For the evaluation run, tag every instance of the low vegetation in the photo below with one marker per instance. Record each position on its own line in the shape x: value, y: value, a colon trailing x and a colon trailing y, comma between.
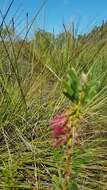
x: 40, y: 79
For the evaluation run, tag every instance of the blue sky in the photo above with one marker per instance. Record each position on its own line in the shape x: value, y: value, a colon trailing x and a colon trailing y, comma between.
x: 84, y: 13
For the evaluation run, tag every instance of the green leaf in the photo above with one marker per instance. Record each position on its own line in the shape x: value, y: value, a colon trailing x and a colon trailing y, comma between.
x: 68, y: 91
x: 73, y: 78
x: 72, y: 86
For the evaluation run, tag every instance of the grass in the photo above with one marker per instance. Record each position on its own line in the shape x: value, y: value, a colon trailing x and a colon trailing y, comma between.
x: 31, y: 76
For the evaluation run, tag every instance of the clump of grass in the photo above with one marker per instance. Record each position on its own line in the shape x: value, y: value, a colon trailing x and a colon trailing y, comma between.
x: 31, y: 80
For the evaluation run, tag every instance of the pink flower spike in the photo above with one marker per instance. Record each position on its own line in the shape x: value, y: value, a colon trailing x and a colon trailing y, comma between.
x: 59, y: 121
x: 57, y: 131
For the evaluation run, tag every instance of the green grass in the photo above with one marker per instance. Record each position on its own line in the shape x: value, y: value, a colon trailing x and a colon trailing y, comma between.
x: 31, y: 94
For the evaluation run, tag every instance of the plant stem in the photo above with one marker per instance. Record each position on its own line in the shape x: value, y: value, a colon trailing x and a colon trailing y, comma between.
x: 68, y: 167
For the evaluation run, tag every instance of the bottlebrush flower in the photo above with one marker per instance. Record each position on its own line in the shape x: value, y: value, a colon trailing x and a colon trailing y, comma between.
x: 59, y: 128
